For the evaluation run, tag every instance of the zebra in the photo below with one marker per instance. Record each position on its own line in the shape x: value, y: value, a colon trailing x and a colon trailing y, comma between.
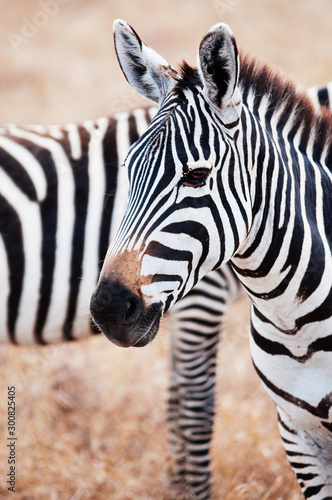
x: 235, y: 167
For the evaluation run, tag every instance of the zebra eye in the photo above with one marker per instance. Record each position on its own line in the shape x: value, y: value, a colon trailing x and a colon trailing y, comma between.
x: 196, y: 177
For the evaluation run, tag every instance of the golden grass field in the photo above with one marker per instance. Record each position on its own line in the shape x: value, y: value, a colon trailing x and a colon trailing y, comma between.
x: 91, y: 419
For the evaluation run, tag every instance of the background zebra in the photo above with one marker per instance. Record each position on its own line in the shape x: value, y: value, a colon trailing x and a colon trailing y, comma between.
x: 238, y: 147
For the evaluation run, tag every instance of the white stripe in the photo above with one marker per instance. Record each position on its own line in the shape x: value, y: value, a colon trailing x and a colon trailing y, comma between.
x: 74, y: 140
x: 152, y: 112
x: 313, y: 96
x: 40, y: 129
x: 329, y: 91
x: 55, y: 131
x: 121, y: 195
x: 141, y: 122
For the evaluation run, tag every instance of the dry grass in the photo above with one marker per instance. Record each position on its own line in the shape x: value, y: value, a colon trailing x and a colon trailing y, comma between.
x: 91, y: 417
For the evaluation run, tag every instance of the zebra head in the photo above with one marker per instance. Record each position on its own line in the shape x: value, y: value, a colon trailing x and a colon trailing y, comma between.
x: 188, y: 207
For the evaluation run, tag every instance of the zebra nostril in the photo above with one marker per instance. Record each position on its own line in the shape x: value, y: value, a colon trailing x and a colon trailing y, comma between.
x: 134, y: 308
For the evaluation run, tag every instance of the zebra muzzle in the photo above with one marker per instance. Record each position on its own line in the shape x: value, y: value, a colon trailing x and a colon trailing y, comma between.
x: 122, y: 316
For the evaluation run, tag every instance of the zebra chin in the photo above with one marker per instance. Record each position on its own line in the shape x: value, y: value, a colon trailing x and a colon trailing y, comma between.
x: 122, y: 316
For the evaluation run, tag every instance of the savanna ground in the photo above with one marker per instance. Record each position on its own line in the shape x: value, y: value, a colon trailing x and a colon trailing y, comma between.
x: 91, y: 417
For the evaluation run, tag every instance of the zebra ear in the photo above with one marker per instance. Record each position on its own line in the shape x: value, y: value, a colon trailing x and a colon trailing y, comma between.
x: 219, y: 66
x: 145, y: 70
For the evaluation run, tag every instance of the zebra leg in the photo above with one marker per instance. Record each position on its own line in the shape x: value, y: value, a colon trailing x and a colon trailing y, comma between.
x: 199, y: 318
x: 309, y: 451
x: 191, y: 411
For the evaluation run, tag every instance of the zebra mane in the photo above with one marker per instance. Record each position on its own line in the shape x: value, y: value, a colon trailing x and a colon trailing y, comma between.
x: 261, y: 80
x: 264, y: 80
x: 189, y: 78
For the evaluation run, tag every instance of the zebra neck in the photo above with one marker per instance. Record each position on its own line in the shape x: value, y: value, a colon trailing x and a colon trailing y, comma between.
x: 285, y: 261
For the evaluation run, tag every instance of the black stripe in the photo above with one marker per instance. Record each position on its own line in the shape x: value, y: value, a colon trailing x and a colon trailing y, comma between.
x: 48, y: 210
x: 202, y: 293
x: 306, y: 477
x: 327, y: 425
x: 17, y: 173
x: 81, y: 180
x: 298, y: 454
x: 206, y: 309
x: 312, y: 490
x: 202, y: 322
x: 160, y: 251
x: 297, y: 465
x: 208, y: 278
x: 133, y: 132
x: 11, y: 232
x: 323, y: 97
x: 286, y: 441
x: 288, y: 429
x: 110, y: 156
x: 271, y: 347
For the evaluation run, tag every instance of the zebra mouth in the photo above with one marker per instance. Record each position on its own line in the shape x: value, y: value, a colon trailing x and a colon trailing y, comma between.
x: 151, y: 332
